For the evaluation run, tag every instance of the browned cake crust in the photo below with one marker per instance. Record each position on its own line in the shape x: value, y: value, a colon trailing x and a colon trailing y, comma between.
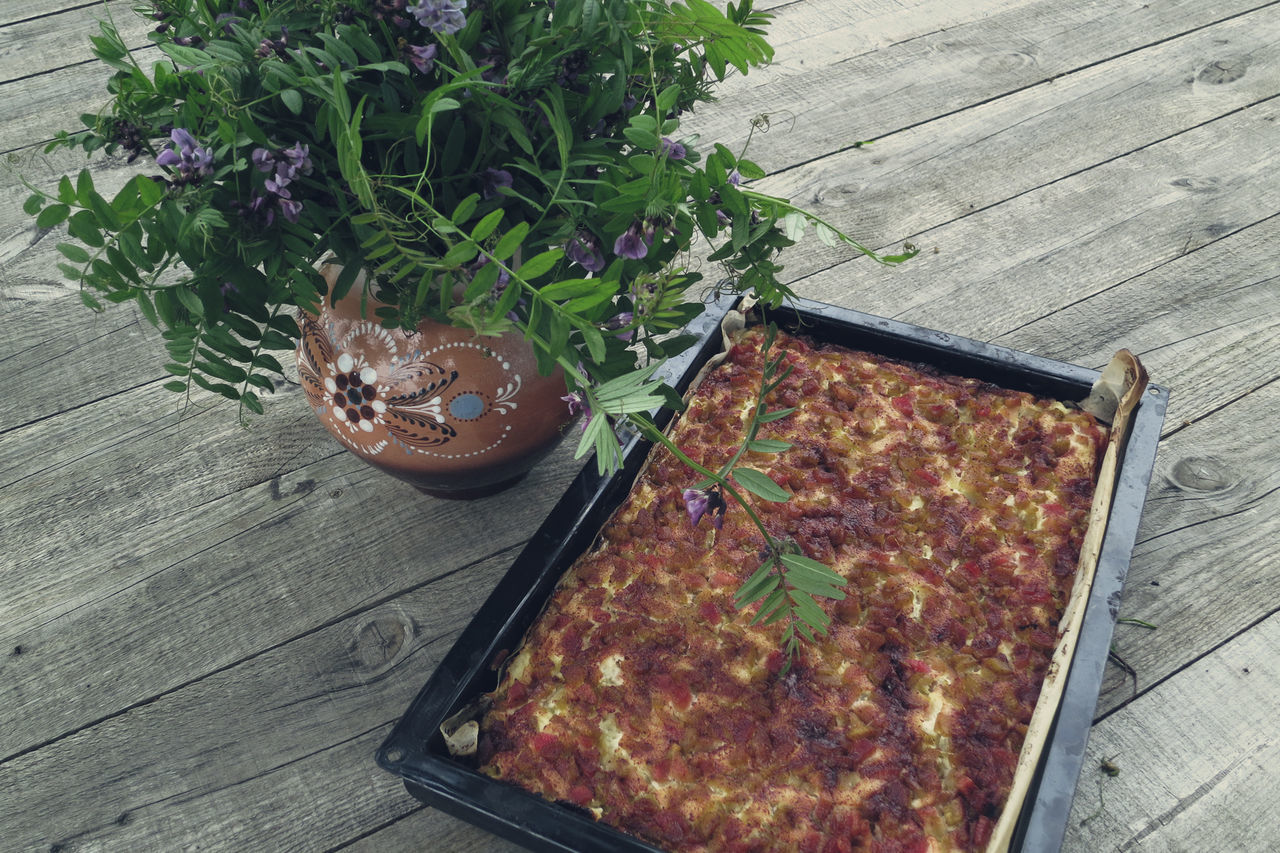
x: 955, y: 510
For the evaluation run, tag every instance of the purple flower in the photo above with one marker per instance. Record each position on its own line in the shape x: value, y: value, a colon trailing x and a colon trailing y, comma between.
x: 277, y: 46
x: 284, y: 165
x: 276, y: 186
x: 291, y: 209
x: 190, y: 159
x: 634, y: 242
x: 735, y: 177
x: 287, y: 163
x: 261, y: 206
x: 698, y: 502
x: 621, y: 321
x: 298, y: 159
x: 578, y: 405
x: 263, y: 159
x: 440, y: 16
x: 391, y: 11
x: 494, y: 179
x: 499, y: 285
x: 584, y: 249
x: 673, y: 150
x: 421, y: 57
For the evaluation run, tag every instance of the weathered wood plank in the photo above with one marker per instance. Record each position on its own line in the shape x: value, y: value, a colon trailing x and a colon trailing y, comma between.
x: 194, y: 536
x: 1198, y: 758
x: 92, y: 356
x: 1207, y: 323
x: 995, y: 49
x: 51, y: 102
x: 46, y: 42
x: 963, y: 163
x: 1075, y: 237
x: 1206, y: 551
x: 942, y: 175
x: 294, y: 724
x: 255, y: 730
x: 415, y: 828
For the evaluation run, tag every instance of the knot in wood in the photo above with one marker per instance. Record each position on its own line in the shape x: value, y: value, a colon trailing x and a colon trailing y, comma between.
x: 1201, y: 474
x: 1197, y: 184
x: 1009, y: 62
x: 379, y: 642
x: 1222, y: 71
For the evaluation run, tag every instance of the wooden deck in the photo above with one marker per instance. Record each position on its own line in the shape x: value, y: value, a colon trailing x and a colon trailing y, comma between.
x: 205, y: 631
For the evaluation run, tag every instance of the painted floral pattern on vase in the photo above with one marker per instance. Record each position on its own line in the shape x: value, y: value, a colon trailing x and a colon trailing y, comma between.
x: 441, y: 408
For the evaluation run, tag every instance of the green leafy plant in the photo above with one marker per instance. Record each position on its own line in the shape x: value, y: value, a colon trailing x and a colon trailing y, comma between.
x: 786, y: 581
x: 494, y: 164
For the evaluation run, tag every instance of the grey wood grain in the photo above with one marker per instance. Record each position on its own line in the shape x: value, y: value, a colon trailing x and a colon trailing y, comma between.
x: 205, y: 631
x: 928, y: 71
x: 277, y: 726
x: 1197, y: 759
x: 1205, y: 323
x: 1206, y: 562
x: 218, y: 561
x: 1071, y: 238
x: 961, y: 164
x: 43, y: 41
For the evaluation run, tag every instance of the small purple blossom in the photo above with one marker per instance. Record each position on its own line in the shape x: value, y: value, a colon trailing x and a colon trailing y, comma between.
x: 735, y: 177
x: 421, y: 57
x: 276, y: 186
x: 578, y: 405
x: 190, y: 159
x: 698, y: 502
x: 584, y: 249
x: 494, y: 179
x: 263, y: 159
x: 504, y: 278
x: 298, y: 159
x: 291, y: 209
x: 620, y: 322
x: 277, y: 46
x: 634, y: 242
x: 499, y: 285
x: 440, y: 16
x: 260, y: 206
x: 227, y: 290
x: 284, y: 166
x: 391, y: 11
x: 673, y: 150
x: 645, y: 293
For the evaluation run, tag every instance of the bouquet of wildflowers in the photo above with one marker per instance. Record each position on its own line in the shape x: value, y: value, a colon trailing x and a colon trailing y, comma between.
x: 496, y: 164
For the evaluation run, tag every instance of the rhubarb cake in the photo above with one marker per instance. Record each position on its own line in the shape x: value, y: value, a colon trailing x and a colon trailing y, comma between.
x: 954, y: 509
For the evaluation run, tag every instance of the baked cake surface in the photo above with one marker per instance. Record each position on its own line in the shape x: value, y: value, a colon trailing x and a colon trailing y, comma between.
x: 955, y: 511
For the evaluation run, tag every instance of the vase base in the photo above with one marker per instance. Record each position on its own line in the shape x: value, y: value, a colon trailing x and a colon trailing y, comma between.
x: 469, y: 494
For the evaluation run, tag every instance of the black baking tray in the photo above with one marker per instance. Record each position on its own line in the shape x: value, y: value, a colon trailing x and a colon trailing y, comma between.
x: 415, y: 749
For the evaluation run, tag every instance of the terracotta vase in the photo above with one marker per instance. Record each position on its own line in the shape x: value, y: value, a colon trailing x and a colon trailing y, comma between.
x: 458, y: 416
